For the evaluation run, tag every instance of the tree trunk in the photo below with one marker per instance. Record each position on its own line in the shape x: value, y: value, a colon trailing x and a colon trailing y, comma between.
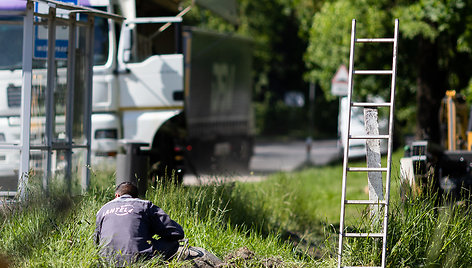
x: 431, y: 87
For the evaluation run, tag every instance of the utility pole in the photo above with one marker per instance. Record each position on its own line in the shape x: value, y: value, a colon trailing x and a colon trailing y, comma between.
x: 311, y: 124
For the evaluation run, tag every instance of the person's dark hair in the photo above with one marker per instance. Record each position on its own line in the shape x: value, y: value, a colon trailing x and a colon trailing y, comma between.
x: 127, y: 188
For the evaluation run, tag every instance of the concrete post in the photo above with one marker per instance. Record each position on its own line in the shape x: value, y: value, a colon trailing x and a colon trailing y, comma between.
x: 373, y: 157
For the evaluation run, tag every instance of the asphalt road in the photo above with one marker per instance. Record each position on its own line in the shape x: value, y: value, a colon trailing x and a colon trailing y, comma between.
x: 270, y: 157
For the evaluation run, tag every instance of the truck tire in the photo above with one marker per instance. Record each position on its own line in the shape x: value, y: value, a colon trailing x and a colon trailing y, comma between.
x: 167, y: 159
x: 166, y: 172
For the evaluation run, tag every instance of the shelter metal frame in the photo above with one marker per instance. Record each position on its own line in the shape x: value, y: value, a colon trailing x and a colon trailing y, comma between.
x: 50, y: 143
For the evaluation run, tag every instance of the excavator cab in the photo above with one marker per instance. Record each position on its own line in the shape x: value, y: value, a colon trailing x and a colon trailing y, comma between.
x: 455, y: 122
x: 446, y: 167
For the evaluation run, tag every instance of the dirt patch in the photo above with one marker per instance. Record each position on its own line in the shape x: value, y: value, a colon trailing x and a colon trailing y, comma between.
x: 220, y: 179
x: 4, y: 261
x: 241, y: 254
x: 242, y: 257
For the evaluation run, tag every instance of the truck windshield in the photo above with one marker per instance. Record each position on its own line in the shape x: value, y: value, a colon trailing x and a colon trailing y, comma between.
x: 101, y: 42
x: 11, y: 42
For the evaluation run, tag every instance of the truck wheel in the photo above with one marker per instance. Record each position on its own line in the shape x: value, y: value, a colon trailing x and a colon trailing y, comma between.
x: 165, y: 173
x: 168, y: 152
x: 243, y: 156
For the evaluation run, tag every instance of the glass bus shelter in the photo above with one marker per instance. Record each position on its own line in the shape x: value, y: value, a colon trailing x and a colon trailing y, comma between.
x: 45, y: 94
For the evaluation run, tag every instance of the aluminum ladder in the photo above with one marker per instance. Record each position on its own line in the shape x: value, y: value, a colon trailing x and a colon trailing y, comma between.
x: 347, y: 137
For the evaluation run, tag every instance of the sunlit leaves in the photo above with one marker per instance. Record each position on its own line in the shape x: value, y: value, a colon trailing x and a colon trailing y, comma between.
x: 331, y: 32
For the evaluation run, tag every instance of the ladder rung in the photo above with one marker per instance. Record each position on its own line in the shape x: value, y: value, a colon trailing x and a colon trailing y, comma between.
x: 367, y: 169
x: 8, y: 193
x: 365, y: 202
x: 375, y: 40
x: 368, y: 137
x: 375, y: 235
x: 373, y: 71
x: 371, y: 104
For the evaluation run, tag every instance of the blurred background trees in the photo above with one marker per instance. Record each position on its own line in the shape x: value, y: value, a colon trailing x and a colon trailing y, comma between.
x: 297, y: 42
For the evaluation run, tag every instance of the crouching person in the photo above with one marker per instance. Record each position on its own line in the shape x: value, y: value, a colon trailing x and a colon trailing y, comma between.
x: 126, y: 225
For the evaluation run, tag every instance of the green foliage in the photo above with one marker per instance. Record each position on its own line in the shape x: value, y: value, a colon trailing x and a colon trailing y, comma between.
x: 330, y: 37
x: 434, y: 50
x: 445, y: 23
x: 429, y: 18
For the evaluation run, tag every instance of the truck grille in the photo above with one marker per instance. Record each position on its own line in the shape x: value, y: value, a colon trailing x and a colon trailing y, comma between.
x: 14, y: 96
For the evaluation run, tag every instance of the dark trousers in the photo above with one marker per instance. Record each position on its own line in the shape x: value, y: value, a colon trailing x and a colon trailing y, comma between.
x: 163, y: 248
x: 166, y: 248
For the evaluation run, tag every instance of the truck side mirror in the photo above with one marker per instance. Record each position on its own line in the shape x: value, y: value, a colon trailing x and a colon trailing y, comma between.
x: 125, y: 45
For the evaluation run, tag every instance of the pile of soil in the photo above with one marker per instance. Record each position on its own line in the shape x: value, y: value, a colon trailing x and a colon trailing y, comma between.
x: 201, y: 258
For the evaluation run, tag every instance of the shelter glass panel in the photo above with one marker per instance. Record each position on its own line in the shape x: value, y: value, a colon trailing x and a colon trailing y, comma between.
x: 38, y: 102
x: 37, y: 163
x: 79, y: 163
x: 78, y: 131
x: 9, y: 166
x: 11, y: 41
x: 60, y: 90
x: 60, y: 101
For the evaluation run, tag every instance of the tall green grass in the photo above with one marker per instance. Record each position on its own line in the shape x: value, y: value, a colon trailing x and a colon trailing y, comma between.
x: 56, y: 230
x: 290, y: 217
x: 427, y: 230
x: 420, y: 234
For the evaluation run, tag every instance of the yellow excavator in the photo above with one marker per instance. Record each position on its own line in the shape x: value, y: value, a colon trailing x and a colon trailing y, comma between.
x: 447, y: 167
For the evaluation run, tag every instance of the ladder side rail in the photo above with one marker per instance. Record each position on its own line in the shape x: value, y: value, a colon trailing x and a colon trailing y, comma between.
x: 390, y: 142
x: 346, y: 141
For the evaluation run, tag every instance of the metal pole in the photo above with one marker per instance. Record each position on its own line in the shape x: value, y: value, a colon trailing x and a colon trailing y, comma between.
x: 88, y: 101
x: 71, y: 58
x: 26, y: 100
x: 312, y: 96
x: 51, y: 85
x: 311, y: 124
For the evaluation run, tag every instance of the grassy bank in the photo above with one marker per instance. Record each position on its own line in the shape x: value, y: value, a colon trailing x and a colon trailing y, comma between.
x: 289, y: 219
x: 57, y: 230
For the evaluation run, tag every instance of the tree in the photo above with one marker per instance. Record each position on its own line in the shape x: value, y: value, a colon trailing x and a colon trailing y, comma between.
x: 330, y: 37
x: 434, y: 51
x: 441, y: 48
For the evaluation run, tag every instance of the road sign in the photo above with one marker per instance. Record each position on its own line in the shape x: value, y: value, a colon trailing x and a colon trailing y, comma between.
x: 339, y: 85
x: 41, y: 34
